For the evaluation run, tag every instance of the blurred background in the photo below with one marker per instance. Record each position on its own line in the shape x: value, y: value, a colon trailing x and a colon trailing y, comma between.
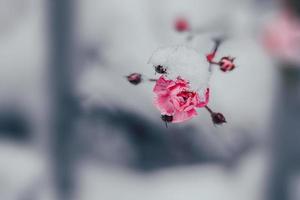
x: 72, y: 127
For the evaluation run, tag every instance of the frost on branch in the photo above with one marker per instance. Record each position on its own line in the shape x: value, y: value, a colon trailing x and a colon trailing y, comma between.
x: 182, y: 61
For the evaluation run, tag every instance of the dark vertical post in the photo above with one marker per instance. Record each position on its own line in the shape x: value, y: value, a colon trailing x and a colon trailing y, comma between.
x: 286, y: 134
x: 61, y: 42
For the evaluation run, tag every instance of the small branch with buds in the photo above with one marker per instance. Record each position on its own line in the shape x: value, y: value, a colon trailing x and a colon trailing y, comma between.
x: 217, y: 118
x: 210, y: 57
x: 226, y: 63
x: 175, y: 98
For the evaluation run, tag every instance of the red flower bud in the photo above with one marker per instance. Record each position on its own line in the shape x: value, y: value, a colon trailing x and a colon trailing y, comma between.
x: 134, y: 78
x: 210, y: 57
x: 226, y: 64
x: 181, y: 25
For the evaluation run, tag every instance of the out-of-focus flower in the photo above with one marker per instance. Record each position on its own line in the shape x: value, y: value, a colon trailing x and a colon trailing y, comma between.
x: 175, y: 98
x: 282, y: 37
x: 181, y: 25
x: 134, y: 78
x: 226, y: 64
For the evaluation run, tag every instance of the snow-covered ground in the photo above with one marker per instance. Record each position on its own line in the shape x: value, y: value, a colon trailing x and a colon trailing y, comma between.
x: 246, y: 181
x: 23, y: 174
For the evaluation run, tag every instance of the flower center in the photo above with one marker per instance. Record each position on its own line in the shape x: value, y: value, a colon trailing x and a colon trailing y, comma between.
x: 185, y: 95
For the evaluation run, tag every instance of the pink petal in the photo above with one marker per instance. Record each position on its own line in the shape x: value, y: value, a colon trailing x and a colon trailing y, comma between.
x: 205, y: 102
x: 164, y: 105
x: 175, y: 101
x: 161, y: 85
x: 183, y: 116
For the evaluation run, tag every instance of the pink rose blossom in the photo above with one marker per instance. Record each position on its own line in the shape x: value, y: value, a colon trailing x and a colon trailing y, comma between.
x: 174, y: 98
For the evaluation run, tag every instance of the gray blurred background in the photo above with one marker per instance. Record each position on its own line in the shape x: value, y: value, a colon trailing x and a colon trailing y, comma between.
x: 72, y: 127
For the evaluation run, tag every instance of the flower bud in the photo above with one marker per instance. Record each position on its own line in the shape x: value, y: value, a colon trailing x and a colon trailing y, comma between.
x: 134, y: 78
x: 226, y: 64
x: 181, y: 25
x: 218, y: 118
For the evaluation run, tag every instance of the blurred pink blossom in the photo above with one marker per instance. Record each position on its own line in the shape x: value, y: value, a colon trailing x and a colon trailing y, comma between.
x: 282, y: 37
x: 181, y: 25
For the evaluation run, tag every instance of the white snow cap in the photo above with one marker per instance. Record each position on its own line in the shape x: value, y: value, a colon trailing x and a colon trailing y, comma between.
x: 183, y: 61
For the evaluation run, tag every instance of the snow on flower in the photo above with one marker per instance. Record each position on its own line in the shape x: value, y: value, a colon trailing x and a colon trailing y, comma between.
x: 183, y: 61
x: 175, y: 99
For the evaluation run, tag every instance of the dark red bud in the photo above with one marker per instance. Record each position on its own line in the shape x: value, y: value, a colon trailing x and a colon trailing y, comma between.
x: 218, y: 118
x: 134, y: 78
x: 227, y: 64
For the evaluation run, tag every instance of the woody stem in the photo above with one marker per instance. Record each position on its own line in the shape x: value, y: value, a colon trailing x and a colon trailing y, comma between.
x: 217, y: 45
x: 213, y: 63
x: 152, y: 79
x: 209, y: 110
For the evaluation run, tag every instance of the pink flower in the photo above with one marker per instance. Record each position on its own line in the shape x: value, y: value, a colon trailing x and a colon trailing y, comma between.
x: 281, y: 37
x: 174, y: 98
